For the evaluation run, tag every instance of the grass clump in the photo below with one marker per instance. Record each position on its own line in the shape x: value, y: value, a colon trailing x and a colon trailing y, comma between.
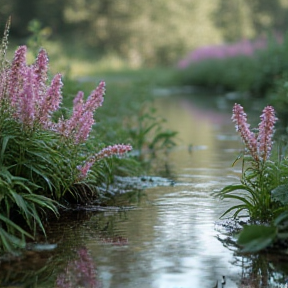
x: 245, y: 66
x: 46, y: 157
x: 262, y: 191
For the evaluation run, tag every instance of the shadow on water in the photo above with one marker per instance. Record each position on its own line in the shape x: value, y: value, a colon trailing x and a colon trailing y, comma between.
x: 168, y: 239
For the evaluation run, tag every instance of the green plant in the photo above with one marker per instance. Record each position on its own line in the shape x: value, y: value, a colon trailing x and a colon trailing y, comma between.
x: 254, y: 238
x: 38, y: 35
x: 257, y: 73
x: 263, y: 188
x: 149, y: 135
x: 259, y: 175
x: 42, y: 161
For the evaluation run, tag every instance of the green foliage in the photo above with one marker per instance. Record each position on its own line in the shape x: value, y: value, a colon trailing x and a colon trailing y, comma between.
x: 39, y: 156
x: 278, y: 97
x: 38, y: 35
x: 257, y: 75
x: 40, y: 168
x: 263, y: 189
x: 29, y: 180
x: 263, y: 194
x: 19, y: 198
x: 141, y: 31
x: 254, y: 237
x: 229, y: 74
x: 150, y: 134
x: 280, y: 194
x: 232, y: 16
x: 254, y: 192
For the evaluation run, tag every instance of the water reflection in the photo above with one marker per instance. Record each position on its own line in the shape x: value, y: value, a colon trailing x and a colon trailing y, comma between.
x: 79, y: 272
x: 169, y: 240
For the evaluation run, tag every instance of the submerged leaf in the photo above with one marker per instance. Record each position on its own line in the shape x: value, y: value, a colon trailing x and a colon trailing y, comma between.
x: 255, y: 238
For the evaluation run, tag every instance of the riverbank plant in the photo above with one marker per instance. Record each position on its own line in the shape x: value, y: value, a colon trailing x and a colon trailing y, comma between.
x: 43, y: 158
x: 262, y: 191
x: 259, y: 174
x: 246, y: 66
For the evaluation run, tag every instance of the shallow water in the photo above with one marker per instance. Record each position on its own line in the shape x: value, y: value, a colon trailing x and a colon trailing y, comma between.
x: 168, y: 240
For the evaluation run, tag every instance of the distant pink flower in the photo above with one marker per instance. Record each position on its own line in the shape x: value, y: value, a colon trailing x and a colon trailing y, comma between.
x: 266, y: 130
x: 248, y: 137
x: 244, y: 47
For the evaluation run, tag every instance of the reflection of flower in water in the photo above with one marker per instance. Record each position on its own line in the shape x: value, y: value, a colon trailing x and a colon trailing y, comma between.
x: 79, y: 272
x: 118, y: 241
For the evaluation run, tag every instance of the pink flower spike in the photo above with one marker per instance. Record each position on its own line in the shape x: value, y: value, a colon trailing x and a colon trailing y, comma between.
x: 41, y: 66
x: 266, y: 131
x: 78, y: 100
x: 96, y: 97
x: 16, y: 74
x: 84, y: 127
x: 85, y: 168
x: 26, y: 101
x: 248, y: 137
x: 117, y: 149
x: 51, y: 100
x: 41, y: 69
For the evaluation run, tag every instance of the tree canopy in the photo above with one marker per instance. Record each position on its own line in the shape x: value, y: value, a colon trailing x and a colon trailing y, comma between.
x: 148, y: 32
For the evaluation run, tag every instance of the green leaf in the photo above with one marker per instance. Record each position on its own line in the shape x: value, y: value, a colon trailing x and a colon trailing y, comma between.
x: 4, y: 145
x: 15, y: 226
x: 283, y: 236
x: 256, y: 237
x: 238, y: 209
x: 281, y: 217
x: 280, y: 194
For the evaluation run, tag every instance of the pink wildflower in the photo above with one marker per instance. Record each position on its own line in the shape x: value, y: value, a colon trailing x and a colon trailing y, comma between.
x: 80, y: 124
x: 3, y: 84
x: 41, y: 69
x: 117, y: 149
x: 80, y: 272
x: 78, y: 111
x: 85, y: 168
x: 95, y: 99
x: 26, y: 101
x: 248, y: 137
x: 50, y: 102
x: 266, y: 130
x: 15, y: 76
x: 84, y: 127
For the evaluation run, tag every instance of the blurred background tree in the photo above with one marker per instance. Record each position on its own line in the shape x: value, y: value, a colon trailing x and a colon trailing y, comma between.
x: 238, y: 19
x: 146, y: 32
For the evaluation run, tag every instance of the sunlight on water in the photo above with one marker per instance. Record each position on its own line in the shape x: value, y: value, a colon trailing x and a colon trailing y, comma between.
x: 172, y: 241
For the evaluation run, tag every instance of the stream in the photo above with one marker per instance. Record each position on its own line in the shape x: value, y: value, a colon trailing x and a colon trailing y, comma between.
x: 171, y: 236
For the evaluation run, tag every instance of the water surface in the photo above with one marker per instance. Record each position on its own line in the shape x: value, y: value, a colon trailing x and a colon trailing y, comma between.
x: 168, y: 239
